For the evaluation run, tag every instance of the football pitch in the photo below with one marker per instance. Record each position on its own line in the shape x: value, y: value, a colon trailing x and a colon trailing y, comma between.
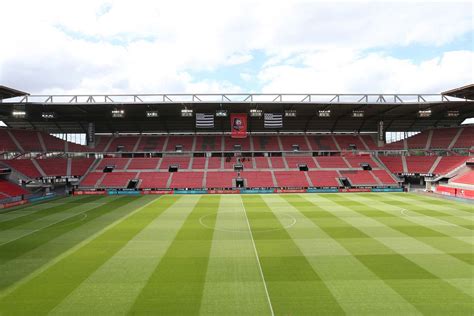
x: 293, y: 254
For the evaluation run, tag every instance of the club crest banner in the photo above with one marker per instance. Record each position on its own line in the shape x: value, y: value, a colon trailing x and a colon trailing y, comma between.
x: 238, y: 125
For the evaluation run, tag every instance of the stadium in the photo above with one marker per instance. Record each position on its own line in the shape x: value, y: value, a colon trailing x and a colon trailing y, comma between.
x: 249, y: 204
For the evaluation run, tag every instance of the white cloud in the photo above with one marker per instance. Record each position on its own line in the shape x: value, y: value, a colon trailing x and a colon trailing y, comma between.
x: 121, y: 46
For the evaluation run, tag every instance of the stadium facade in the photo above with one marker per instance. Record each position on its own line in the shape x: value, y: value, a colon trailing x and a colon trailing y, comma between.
x: 234, y: 143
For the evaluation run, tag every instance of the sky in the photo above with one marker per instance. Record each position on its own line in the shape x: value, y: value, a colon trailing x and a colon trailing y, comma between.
x: 117, y: 46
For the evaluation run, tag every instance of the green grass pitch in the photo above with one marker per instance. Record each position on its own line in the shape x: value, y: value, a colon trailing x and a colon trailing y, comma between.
x: 307, y: 254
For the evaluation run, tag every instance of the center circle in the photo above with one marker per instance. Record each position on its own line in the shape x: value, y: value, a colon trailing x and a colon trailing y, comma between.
x: 236, y: 222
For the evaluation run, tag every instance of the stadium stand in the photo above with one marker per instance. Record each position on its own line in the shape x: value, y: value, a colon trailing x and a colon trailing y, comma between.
x: 294, y: 161
x: 447, y: 164
x: 208, y: 143
x: 258, y: 179
x: 222, y: 179
x: 334, y: 162
x: 288, y: 143
x: 9, y: 189
x: 358, y: 177
x: 291, y: 179
x: 79, y: 166
x: 349, y: 142
x: 324, y: 178
x: 231, y: 143
x: 53, y: 167
x: 117, y: 179
x: 191, y: 180
x: 151, y: 143
x: 153, y: 180
x: 183, y: 142
x: 91, y: 179
x: 324, y: 142
x: 143, y: 163
x: 393, y: 163
x: 420, y: 164
x: 265, y: 143
x: 117, y: 163
x: 466, y: 178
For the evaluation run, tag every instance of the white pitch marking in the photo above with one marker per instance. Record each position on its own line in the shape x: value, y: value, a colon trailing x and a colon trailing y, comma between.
x: 258, y: 259
x: 36, y: 230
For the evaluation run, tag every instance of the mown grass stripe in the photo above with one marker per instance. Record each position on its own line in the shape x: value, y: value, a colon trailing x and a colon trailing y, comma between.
x: 294, y: 287
x: 43, y: 213
x: 176, y: 286
x: 29, y: 242
x: 405, y: 226
x: 433, y: 295
x: 233, y: 284
x: 17, y: 212
x: 346, y: 277
x: 123, y: 276
x: 439, y: 201
x: 42, y: 293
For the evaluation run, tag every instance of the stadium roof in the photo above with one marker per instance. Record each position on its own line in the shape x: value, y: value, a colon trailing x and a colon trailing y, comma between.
x: 6, y: 92
x: 465, y: 92
x: 399, y: 112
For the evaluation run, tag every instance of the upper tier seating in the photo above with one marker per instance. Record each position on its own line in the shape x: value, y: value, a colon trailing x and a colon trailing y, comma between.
x: 28, y: 140
x: 447, y: 164
x: 6, y: 143
x: 185, y: 141
x: 265, y: 143
x: 466, y: 139
x: 79, y: 166
x: 291, y: 179
x: 102, y: 143
x: 418, y: 141
x: 191, y: 180
x: 393, y: 163
x: 345, y: 141
x: 123, y: 143
x: 324, y: 178
x: 208, y: 143
x: 420, y: 164
x: 230, y: 142
x: 53, y: 167
x: 287, y: 143
x: 369, y: 141
x: 322, y: 142
x: 9, y: 189
x: 153, y: 180
x: 143, y: 163
x: 331, y: 162
x: 151, y: 143
x: 443, y: 137
x: 258, y: 179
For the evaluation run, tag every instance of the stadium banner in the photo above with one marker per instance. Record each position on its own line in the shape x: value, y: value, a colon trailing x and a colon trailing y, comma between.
x: 145, y: 192
x: 273, y: 120
x: 327, y: 190
x: 223, y: 191
x: 290, y: 191
x: 387, y: 189
x: 238, y: 125
x: 190, y: 191
x: 465, y: 193
x: 256, y: 191
x: 12, y: 204
x: 355, y: 190
x: 204, y: 120
x: 89, y: 192
x: 42, y: 198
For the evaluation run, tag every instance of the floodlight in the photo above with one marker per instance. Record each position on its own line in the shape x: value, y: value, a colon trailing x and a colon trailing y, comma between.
x: 324, y: 113
x: 290, y: 113
x: 221, y: 113
x: 48, y: 115
x: 255, y: 112
x: 118, y: 113
x: 357, y: 113
x: 186, y: 112
x: 19, y: 113
x: 152, y: 114
x: 424, y: 113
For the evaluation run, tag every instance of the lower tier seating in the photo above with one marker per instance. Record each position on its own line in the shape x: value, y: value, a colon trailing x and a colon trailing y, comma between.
x: 465, y: 178
x: 258, y: 179
x: 291, y: 179
x: 9, y: 189
x: 192, y: 180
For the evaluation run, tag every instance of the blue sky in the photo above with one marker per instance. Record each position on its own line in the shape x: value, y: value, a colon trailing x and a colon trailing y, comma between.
x: 179, y: 46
